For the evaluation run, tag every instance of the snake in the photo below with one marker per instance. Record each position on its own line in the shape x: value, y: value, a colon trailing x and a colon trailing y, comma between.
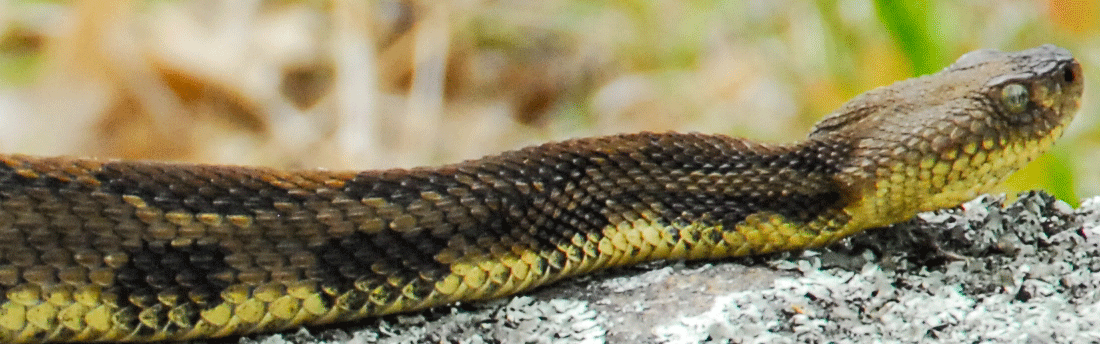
x: 136, y: 251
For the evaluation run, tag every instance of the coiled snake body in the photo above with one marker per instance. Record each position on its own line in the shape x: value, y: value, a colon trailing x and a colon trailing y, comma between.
x: 137, y: 251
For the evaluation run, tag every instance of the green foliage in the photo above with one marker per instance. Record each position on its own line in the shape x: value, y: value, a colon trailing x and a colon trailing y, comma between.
x: 19, y: 56
x: 1059, y: 178
x: 1052, y: 172
x: 18, y: 70
x: 914, y: 28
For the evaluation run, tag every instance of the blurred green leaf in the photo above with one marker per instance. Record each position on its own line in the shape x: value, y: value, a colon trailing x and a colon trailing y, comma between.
x: 1052, y: 172
x: 18, y: 70
x: 1059, y: 175
x: 19, y: 55
x: 913, y: 26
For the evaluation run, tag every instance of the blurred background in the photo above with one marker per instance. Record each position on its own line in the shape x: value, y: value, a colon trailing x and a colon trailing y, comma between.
x: 347, y: 84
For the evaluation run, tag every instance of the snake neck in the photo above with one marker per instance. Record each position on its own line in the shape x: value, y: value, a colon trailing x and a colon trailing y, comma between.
x: 663, y: 195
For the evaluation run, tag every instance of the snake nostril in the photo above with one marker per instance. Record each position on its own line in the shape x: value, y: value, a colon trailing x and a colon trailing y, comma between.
x: 1068, y: 74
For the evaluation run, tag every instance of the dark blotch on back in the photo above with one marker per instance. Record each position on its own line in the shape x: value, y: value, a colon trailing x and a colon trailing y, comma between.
x: 192, y: 188
x: 157, y: 270
x: 724, y: 156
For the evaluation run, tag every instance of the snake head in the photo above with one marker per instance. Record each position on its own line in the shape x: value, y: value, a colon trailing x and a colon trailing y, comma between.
x: 938, y: 140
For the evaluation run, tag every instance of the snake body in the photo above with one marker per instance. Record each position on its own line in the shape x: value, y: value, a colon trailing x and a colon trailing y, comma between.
x: 94, y: 250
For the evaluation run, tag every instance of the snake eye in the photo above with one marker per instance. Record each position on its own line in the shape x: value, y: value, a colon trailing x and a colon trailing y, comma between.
x: 1015, y: 98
